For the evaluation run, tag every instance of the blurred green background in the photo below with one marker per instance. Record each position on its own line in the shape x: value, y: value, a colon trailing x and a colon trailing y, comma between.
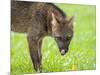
x: 82, y: 51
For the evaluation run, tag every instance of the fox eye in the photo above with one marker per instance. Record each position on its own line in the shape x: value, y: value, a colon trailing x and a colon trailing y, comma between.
x: 69, y: 37
x: 58, y: 38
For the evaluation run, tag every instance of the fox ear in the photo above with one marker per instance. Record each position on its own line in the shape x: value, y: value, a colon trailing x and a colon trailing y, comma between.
x: 70, y: 21
x: 54, y: 25
x: 54, y: 20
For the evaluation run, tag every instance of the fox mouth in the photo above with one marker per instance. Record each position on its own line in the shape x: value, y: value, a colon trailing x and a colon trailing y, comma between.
x: 62, y: 51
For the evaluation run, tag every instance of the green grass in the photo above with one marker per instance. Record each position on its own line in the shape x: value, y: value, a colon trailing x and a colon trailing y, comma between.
x: 82, y: 52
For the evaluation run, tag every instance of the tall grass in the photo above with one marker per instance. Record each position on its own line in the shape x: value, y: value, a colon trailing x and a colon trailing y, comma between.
x: 82, y: 52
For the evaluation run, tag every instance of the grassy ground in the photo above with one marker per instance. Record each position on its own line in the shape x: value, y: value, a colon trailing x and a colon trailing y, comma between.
x: 82, y: 52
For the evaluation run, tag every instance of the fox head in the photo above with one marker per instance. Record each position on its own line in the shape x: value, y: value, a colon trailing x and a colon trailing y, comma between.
x: 62, y: 31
